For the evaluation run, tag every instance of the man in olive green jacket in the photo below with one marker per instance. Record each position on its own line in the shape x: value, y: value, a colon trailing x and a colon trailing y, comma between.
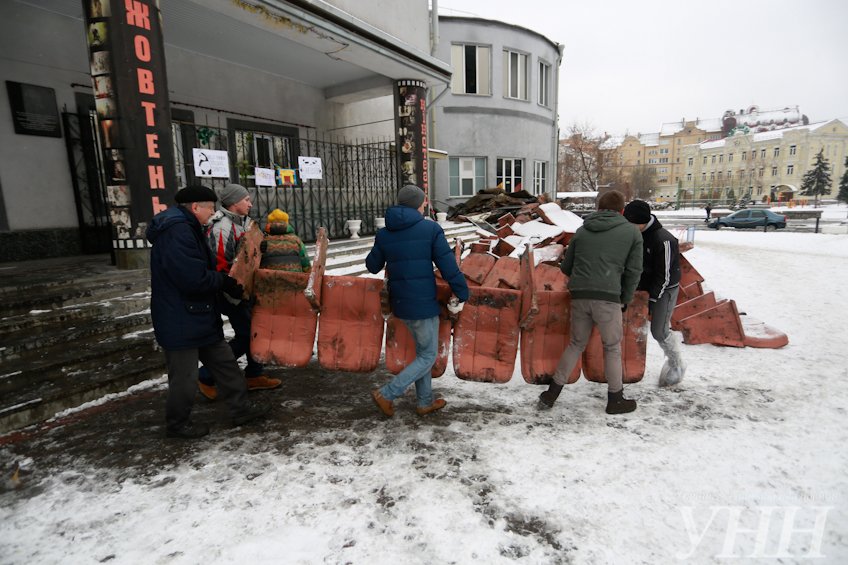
x: 603, y: 263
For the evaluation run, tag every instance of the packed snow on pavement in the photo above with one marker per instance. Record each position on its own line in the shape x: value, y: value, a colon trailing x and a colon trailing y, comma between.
x: 746, y: 458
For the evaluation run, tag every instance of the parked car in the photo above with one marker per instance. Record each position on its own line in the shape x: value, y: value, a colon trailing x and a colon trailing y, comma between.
x: 751, y: 219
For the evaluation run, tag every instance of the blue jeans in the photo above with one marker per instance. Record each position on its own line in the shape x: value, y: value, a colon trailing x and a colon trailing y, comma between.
x: 426, y: 336
x: 239, y: 315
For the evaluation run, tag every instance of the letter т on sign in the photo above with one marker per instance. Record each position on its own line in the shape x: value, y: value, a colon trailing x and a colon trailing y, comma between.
x: 127, y: 59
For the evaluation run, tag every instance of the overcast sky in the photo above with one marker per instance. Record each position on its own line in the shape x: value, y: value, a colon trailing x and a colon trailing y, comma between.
x: 631, y: 65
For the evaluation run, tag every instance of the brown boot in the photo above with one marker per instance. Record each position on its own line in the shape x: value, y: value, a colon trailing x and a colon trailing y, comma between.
x: 438, y: 404
x: 262, y: 383
x: 209, y: 391
x: 385, y: 406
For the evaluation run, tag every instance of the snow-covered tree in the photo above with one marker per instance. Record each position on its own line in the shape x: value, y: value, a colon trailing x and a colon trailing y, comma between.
x: 843, y: 185
x: 817, y: 180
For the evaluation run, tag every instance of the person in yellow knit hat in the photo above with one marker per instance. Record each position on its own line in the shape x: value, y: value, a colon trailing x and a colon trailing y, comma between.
x: 282, y: 249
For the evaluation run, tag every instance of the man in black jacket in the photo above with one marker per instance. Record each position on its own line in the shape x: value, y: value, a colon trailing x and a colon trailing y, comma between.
x: 186, y: 314
x: 661, y: 279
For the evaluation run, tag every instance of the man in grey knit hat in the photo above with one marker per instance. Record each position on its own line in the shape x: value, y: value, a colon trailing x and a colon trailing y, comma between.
x: 407, y: 248
x: 227, y: 227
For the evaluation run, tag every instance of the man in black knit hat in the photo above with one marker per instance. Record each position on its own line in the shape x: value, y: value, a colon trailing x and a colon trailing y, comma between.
x: 186, y: 313
x: 661, y: 279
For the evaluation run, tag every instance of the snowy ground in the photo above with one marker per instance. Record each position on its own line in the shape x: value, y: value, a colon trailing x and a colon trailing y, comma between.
x: 749, y: 449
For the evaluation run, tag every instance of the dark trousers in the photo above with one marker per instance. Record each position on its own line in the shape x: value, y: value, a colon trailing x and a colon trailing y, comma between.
x: 182, y: 380
x: 239, y: 315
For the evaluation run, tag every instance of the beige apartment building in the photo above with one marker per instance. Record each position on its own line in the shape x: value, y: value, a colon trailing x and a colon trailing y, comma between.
x: 765, y: 166
x: 662, y: 151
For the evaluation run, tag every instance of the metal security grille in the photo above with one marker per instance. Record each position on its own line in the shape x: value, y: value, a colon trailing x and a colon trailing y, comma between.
x: 85, y: 160
x: 359, y: 180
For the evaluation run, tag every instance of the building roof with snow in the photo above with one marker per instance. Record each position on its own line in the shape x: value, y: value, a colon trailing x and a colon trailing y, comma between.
x: 649, y: 139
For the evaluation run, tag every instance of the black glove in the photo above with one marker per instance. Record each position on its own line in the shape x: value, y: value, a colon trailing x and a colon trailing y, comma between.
x: 232, y: 287
x: 624, y: 307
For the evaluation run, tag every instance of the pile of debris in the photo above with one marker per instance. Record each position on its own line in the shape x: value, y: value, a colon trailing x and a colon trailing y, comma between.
x: 544, y: 227
x: 489, y: 205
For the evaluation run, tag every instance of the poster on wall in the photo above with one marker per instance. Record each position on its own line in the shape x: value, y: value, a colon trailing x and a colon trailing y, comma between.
x: 211, y: 163
x: 34, y: 109
x: 310, y: 167
x: 264, y: 177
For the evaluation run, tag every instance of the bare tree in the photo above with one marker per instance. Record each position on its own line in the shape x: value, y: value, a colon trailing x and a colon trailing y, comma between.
x: 642, y: 181
x: 586, y: 160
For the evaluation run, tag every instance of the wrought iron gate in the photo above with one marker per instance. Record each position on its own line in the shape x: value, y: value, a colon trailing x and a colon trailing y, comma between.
x: 85, y: 160
x: 359, y: 181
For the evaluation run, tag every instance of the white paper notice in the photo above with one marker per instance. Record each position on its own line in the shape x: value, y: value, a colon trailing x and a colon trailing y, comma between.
x: 310, y: 167
x: 264, y: 177
x: 211, y: 163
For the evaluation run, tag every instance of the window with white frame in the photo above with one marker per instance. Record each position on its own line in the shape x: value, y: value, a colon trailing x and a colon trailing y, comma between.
x: 471, y: 66
x: 544, y: 83
x: 515, y: 75
x: 777, y: 151
x: 774, y: 171
x: 688, y: 176
x: 540, y: 177
x: 791, y: 149
x: 790, y: 169
x: 690, y: 161
x: 509, y: 171
x: 467, y: 175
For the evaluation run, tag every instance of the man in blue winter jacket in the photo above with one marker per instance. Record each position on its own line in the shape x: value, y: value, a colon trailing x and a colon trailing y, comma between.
x: 407, y: 247
x: 186, y: 313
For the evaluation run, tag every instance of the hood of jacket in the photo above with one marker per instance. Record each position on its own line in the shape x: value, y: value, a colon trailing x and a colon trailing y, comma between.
x: 401, y: 217
x: 603, y: 220
x: 652, y: 226
x: 221, y: 213
x: 168, y: 219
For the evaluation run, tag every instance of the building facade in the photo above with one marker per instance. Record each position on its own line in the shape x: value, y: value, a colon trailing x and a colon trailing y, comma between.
x: 662, y: 152
x: 767, y: 166
x: 265, y: 82
x: 498, y: 120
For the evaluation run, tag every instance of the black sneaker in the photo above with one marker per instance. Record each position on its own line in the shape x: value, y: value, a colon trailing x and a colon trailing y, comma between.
x: 188, y: 431
x: 251, y: 413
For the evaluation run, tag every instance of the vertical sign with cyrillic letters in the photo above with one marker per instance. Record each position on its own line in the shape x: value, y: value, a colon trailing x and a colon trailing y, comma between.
x: 411, y: 133
x: 127, y: 57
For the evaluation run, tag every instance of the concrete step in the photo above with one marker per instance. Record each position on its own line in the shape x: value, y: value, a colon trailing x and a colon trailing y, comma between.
x: 347, y: 257
x: 36, y: 322
x: 41, y: 399
x: 56, y: 364
x: 26, y: 297
x: 27, y: 346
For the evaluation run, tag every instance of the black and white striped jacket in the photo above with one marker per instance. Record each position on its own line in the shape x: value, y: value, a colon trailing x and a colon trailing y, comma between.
x: 661, y: 260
